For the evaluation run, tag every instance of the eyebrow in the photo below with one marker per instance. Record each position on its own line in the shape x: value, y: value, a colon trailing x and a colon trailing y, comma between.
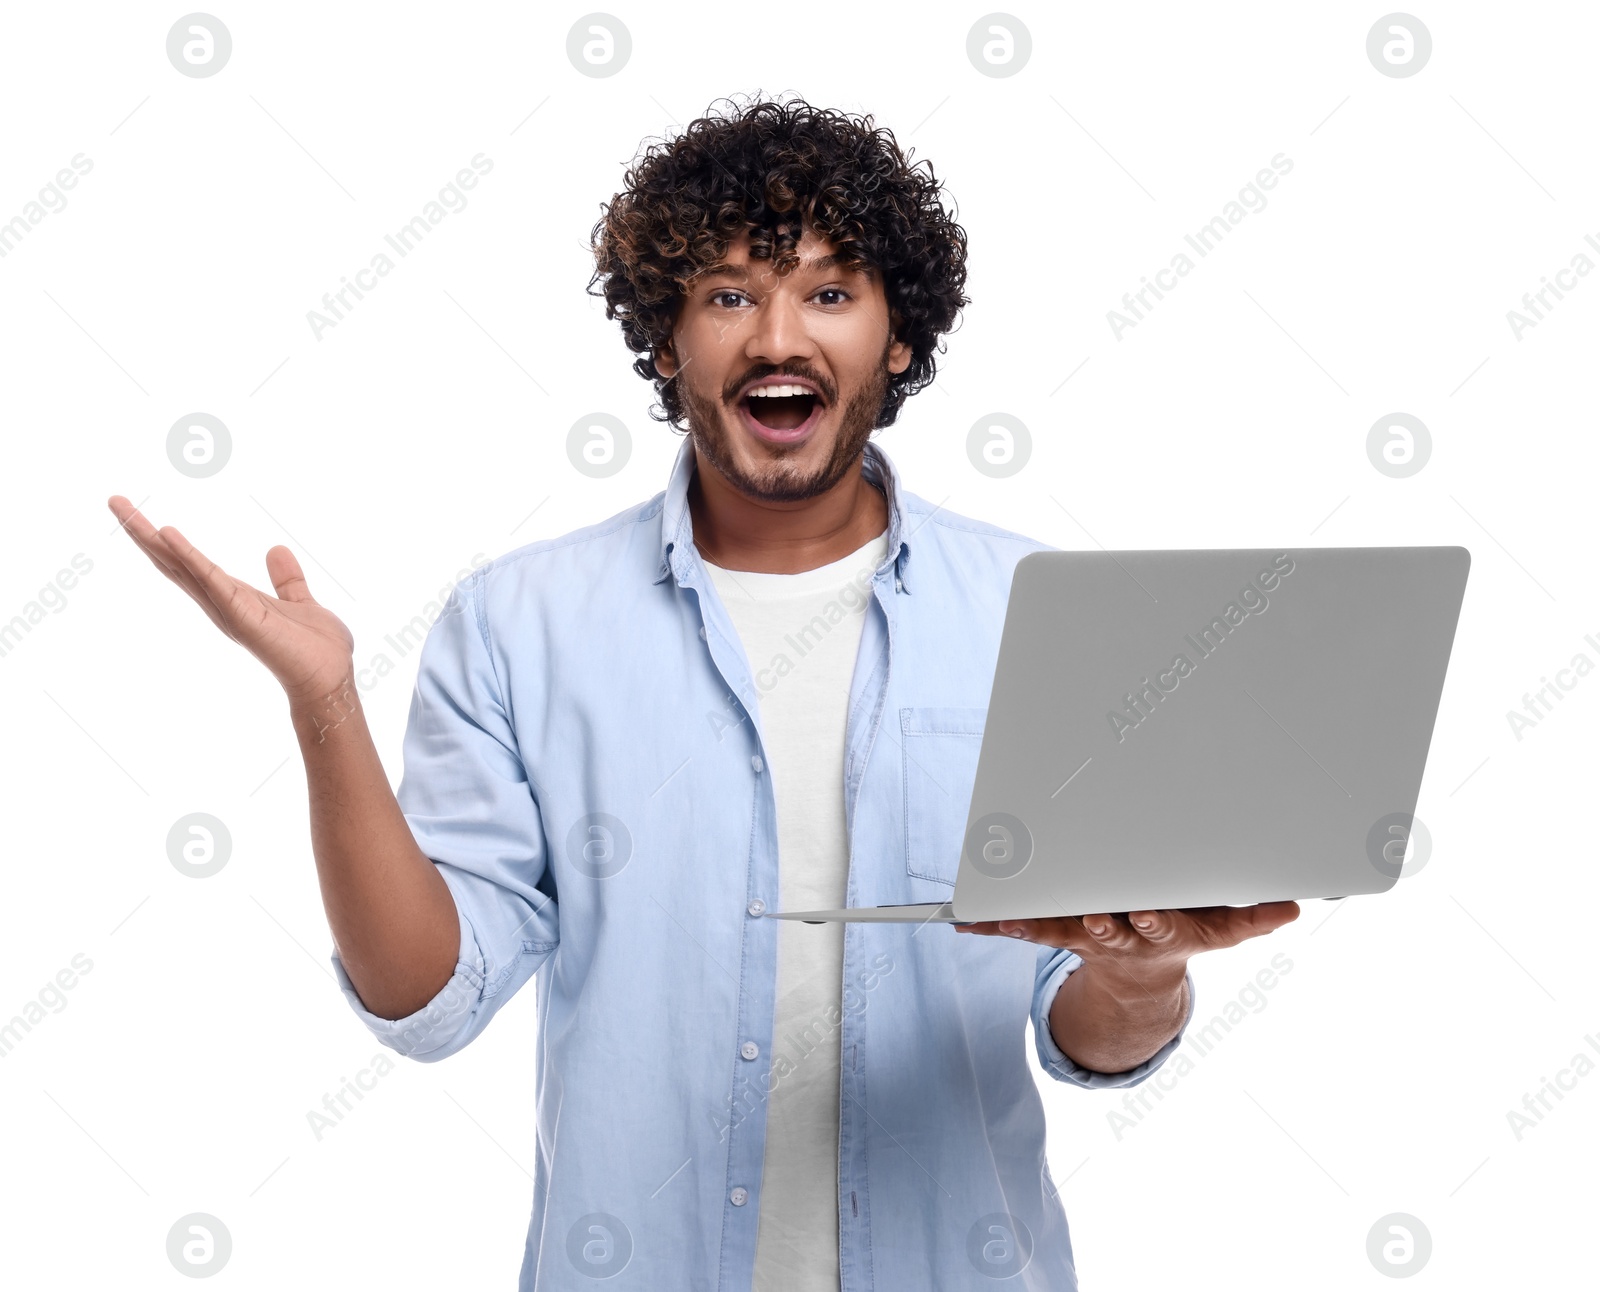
x: 813, y: 264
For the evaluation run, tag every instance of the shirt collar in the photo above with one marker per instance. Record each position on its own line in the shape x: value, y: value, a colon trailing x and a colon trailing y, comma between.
x: 679, y: 556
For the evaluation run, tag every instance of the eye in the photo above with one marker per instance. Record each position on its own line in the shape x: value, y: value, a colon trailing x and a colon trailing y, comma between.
x: 726, y: 295
x: 838, y: 292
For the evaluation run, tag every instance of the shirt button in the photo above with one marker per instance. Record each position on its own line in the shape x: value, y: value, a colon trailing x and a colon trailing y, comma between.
x: 898, y: 586
x: 739, y: 1197
x: 756, y: 907
x: 756, y: 763
x: 702, y: 632
x: 749, y: 1050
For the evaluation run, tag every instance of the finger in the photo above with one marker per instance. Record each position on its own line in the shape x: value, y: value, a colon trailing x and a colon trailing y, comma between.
x: 207, y: 572
x: 180, y: 576
x: 149, y: 540
x: 147, y: 537
x: 1044, y: 930
x: 1267, y: 916
x: 288, y: 579
x: 224, y: 591
x: 1157, y: 927
x: 169, y: 568
x: 1110, y: 932
x: 1227, y: 926
x: 159, y: 553
x: 138, y: 528
x: 120, y: 507
x: 131, y: 518
x: 1244, y: 922
x: 1048, y: 931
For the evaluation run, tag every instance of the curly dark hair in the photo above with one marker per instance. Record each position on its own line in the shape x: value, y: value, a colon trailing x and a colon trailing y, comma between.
x: 776, y: 169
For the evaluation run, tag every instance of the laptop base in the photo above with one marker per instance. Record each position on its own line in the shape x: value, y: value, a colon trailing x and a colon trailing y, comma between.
x: 924, y: 913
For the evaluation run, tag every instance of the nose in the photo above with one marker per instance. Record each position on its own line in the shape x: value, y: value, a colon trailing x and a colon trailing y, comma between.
x: 780, y: 333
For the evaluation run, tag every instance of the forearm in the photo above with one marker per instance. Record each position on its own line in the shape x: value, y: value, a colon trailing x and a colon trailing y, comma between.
x: 393, y: 919
x: 1105, y: 1021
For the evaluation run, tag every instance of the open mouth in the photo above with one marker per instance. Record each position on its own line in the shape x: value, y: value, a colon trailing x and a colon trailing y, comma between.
x: 780, y: 414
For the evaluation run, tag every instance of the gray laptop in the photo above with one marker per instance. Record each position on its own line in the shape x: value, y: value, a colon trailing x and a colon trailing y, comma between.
x: 1201, y: 728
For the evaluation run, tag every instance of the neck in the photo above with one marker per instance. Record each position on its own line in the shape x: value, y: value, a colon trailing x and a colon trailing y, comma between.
x: 742, y: 533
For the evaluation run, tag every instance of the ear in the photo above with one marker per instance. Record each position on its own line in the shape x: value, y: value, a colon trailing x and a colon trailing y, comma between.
x: 666, y: 363
x: 899, y: 357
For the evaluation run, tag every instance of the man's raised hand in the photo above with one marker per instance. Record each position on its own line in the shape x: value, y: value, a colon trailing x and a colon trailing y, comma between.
x: 305, y: 646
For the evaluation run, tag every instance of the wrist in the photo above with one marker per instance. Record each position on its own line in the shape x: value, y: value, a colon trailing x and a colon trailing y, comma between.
x: 317, y: 715
x: 1159, y: 985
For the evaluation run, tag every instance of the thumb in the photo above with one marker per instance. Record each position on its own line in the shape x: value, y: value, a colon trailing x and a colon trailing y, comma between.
x: 288, y: 580
x: 1273, y: 915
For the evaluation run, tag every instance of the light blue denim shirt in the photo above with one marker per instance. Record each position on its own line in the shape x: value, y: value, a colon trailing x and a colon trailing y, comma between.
x: 584, y: 763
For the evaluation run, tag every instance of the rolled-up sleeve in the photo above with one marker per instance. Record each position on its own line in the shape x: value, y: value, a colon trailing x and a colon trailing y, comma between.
x: 1055, y: 966
x: 470, y: 803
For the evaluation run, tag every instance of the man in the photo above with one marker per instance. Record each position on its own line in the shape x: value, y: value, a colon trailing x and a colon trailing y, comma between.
x: 762, y: 689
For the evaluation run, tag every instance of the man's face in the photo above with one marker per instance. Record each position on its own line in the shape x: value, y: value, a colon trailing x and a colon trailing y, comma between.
x: 818, y: 334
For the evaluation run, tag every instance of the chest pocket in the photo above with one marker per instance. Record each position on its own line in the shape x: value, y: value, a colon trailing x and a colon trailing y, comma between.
x: 939, y: 761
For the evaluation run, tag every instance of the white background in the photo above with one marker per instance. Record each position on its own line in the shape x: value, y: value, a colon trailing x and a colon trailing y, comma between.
x: 427, y: 425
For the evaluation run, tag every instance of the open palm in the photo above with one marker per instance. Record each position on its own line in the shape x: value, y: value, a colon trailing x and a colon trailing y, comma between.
x: 304, y: 645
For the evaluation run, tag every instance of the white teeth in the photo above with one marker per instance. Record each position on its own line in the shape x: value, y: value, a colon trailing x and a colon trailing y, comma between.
x: 778, y: 392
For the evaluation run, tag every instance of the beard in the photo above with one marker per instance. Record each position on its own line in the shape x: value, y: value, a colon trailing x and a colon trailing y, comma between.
x: 785, y: 480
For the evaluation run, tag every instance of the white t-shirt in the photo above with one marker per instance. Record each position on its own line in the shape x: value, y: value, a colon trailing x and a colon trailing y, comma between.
x: 801, y: 633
